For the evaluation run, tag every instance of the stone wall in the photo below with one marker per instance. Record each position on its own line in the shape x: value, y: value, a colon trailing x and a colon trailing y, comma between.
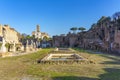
x: 9, y: 39
x: 103, y: 36
x: 10, y: 34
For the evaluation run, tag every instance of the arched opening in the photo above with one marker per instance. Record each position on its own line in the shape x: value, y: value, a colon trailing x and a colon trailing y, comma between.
x: 18, y: 48
x: 45, y: 38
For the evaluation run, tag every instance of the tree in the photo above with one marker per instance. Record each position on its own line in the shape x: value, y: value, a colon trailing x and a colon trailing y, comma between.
x: 101, y: 19
x: 93, y: 26
x: 23, y: 38
x: 28, y: 37
x: 116, y: 15
x: 33, y: 36
x: 45, y: 38
x: 74, y: 29
x: 7, y: 45
x: 81, y: 29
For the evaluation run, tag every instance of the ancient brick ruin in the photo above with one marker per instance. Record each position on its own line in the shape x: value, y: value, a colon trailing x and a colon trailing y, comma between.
x: 102, y: 36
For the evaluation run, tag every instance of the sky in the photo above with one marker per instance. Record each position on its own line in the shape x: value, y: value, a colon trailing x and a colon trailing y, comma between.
x: 54, y: 16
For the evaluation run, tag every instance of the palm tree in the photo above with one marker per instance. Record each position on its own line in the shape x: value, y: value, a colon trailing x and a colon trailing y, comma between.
x: 81, y: 29
x: 74, y: 29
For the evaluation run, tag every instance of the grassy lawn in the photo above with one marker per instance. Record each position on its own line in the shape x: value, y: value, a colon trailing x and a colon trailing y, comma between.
x: 25, y: 67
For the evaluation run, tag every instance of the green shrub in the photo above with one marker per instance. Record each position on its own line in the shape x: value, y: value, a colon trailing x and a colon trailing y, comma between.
x: 0, y: 45
x: 7, y: 45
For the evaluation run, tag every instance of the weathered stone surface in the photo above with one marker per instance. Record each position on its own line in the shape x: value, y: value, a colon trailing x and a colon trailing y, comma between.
x: 103, y: 36
x: 8, y: 36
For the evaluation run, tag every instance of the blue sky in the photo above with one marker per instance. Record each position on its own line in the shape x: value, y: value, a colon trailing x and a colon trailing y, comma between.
x: 54, y: 16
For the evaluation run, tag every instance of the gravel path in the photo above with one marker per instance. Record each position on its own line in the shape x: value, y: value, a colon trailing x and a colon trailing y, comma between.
x: 10, y: 54
x: 22, y: 53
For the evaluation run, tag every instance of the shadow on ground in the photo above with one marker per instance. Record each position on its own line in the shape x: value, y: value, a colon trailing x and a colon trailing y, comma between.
x: 111, y: 73
x: 73, y: 78
x: 114, y: 60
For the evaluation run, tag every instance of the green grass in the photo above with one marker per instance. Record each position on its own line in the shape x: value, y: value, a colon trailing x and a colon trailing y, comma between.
x: 25, y: 67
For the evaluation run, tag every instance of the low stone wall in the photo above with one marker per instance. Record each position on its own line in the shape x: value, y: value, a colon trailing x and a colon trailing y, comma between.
x: 62, y: 58
x: 5, y: 54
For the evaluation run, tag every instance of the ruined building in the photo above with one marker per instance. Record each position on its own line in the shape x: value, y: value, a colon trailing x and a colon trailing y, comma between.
x: 9, y: 40
x: 103, y: 36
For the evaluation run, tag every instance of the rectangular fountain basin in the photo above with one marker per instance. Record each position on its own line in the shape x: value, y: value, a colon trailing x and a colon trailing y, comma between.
x: 62, y: 57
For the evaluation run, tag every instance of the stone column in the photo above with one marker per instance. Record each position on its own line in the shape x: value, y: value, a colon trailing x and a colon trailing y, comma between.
x: 32, y: 44
x: 3, y: 48
x: 27, y: 47
x: 14, y: 48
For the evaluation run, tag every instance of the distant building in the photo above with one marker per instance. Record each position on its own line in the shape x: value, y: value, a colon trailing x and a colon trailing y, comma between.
x: 39, y: 34
x: 42, y: 37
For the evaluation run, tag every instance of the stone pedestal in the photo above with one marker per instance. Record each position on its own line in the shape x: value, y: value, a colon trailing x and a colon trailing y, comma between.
x: 22, y: 48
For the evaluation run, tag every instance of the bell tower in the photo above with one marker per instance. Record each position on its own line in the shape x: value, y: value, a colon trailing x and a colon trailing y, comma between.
x: 38, y: 28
